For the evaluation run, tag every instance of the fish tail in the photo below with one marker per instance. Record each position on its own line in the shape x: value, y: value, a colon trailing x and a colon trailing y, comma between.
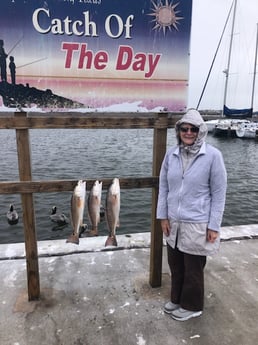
x: 73, y: 239
x: 111, y: 241
x: 95, y: 230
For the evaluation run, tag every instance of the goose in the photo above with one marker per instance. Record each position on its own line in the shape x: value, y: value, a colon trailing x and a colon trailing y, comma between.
x: 58, y: 218
x: 12, y: 215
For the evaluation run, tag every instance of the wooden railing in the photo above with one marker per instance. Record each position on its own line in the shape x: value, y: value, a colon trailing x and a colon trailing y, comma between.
x: 22, y: 122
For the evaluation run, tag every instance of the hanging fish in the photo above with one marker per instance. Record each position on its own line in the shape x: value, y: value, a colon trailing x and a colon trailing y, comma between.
x: 77, y: 211
x: 112, y: 211
x: 94, y: 207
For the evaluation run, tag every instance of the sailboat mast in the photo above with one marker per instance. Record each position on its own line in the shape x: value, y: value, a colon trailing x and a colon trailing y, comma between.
x: 255, y: 63
x: 229, y: 54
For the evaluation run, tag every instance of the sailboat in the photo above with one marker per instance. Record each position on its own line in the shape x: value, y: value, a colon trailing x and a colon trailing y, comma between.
x: 250, y: 130
x: 240, y: 126
x: 239, y: 113
x: 233, y: 119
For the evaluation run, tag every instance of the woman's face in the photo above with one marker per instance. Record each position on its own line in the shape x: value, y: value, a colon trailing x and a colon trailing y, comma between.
x: 188, y: 133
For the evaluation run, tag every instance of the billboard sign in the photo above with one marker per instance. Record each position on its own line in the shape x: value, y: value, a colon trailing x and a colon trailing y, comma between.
x: 94, y: 54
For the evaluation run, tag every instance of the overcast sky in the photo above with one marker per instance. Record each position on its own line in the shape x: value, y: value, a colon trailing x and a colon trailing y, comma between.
x: 209, y: 17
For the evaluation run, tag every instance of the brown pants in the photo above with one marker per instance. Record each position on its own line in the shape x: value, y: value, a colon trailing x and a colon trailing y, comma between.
x: 187, y: 279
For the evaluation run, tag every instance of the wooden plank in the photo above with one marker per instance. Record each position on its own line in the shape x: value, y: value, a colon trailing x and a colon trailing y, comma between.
x: 156, y: 246
x: 24, y: 163
x: 90, y: 121
x: 27, y: 187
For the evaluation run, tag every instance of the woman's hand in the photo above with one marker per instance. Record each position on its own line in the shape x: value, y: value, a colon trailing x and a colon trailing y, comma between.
x: 165, y: 226
x: 212, y: 235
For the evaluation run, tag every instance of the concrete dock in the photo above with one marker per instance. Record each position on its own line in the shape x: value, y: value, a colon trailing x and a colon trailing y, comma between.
x: 93, y: 296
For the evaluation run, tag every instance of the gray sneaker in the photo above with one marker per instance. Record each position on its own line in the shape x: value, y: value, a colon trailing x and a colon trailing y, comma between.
x: 181, y: 314
x: 170, y: 306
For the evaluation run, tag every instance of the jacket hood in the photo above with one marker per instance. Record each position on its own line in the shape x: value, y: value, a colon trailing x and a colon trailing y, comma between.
x: 193, y: 117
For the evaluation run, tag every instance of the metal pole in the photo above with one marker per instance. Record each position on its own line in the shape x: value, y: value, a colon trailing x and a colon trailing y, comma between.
x: 229, y: 56
x: 255, y: 63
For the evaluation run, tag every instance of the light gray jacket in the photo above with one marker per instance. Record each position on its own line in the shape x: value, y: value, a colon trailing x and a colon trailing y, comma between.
x: 194, y: 196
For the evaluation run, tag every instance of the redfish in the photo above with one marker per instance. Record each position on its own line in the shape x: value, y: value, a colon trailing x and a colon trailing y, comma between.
x: 77, y: 211
x: 112, y: 211
x: 94, y: 205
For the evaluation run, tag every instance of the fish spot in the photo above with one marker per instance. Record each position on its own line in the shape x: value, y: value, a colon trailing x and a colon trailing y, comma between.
x: 111, y: 311
x: 195, y: 336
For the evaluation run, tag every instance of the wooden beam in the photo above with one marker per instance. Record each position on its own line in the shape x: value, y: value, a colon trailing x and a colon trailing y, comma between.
x: 24, y: 162
x: 156, y: 246
x: 27, y: 187
x: 78, y: 120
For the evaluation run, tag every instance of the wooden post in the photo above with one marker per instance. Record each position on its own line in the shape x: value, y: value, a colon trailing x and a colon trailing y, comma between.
x: 159, y: 150
x: 24, y: 162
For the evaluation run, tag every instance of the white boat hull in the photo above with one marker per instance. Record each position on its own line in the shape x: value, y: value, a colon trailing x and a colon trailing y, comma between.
x: 249, y: 131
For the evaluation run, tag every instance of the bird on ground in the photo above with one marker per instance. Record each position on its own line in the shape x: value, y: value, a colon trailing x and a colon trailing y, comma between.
x: 12, y: 215
x: 57, y: 217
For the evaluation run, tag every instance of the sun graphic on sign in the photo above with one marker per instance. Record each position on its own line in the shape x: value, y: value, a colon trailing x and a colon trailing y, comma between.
x: 165, y: 15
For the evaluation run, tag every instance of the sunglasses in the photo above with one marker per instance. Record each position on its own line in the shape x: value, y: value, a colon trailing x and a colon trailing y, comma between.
x: 191, y: 129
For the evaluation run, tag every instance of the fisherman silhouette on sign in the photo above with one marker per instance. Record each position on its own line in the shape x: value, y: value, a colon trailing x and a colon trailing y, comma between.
x: 12, y: 68
x: 3, y: 57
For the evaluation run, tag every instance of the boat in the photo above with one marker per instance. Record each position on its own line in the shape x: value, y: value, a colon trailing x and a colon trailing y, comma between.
x: 211, y: 124
x: 229, y: 127
x: 247, y: 130
x: 233, y: 119
x: 237, y: 113
x: 240, y: 127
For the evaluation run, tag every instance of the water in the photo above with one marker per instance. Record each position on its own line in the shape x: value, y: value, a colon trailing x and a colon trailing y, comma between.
x: 91, y: 154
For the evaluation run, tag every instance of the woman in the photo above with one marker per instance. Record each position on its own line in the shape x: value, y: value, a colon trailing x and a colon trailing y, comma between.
x: 192, y: 191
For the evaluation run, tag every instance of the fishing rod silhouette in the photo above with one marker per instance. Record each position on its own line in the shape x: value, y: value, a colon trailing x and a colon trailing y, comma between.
x: 29, y: 63
x: 14, y: 46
